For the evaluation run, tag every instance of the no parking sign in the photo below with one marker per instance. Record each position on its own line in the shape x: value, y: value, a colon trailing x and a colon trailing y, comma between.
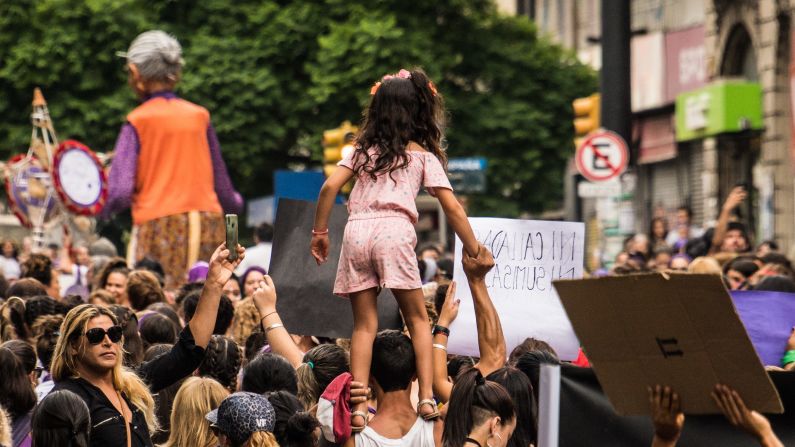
x: 603, y: 155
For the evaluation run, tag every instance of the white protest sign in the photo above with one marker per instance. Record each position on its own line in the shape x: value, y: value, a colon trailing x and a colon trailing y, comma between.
x: 528, y: 256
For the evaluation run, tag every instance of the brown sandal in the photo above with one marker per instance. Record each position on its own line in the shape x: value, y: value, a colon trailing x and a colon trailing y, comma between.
x: 358, y: 428
x: 430, y: 416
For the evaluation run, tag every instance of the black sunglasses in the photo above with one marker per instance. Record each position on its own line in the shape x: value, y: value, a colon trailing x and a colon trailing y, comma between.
x: 97, y: 334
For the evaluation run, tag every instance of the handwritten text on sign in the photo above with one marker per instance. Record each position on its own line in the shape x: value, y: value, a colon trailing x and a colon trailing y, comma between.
x: 528, y: 256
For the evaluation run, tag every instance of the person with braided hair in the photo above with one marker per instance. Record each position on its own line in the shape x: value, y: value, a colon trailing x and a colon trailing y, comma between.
x: 222, y: 361
x: 39, y: 306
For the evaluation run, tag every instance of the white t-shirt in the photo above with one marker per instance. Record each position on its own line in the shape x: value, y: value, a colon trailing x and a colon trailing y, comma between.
x: 420, y: 435
x: 68, y: 280
x: 9, y: 267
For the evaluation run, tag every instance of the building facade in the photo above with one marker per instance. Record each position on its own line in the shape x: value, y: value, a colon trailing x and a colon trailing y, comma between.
x: 712, y: 109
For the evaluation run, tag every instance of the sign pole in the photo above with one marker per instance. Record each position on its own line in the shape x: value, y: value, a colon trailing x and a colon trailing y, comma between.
x: 548, y: 405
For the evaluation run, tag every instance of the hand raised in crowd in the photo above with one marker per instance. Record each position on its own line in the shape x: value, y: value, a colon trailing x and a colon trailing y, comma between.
x: 476, y: 267
x: 449, y: 308
x: 265, y: 295
x: 733, y: 407
x: 319, y: 248
x: 221, y: 268
x: 735, y: 198
x: 666, y: 414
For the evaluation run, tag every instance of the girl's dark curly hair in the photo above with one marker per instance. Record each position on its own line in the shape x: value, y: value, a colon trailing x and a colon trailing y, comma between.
x: 222, y: 361
x: 402, y: 110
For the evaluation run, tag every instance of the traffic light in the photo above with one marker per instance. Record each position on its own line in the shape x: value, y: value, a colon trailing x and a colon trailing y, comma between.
x: 586, y: 117
x: 337, y: 143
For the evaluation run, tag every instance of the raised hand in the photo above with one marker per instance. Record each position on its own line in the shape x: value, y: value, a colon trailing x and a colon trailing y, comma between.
x: 735, y: 198
x: 733, y: 407
x: 221, y: 268
x: 666, y: 413
x: 265, y: 295
x: 450, y: 307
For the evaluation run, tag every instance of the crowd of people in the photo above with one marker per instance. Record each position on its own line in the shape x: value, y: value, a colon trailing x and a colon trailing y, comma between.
x: 185, y: 346
x: 136, y: 364
x: 726, y: 249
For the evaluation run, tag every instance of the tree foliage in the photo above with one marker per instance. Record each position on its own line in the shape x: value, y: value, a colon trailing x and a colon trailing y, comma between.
x: 274, y: 74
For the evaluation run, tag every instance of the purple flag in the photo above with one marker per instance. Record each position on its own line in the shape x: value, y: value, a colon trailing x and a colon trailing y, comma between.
x: 768, y: 317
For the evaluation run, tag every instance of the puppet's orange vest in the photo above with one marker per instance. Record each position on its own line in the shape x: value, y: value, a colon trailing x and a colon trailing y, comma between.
x: 175, y: 170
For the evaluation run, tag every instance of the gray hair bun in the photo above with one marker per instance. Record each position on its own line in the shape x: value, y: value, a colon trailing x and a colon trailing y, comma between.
x: 157, y: 55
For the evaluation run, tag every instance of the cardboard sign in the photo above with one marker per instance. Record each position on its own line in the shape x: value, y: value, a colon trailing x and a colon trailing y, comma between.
x: 528, y: 255
x: 768, y: 317
x: 679, y: 330
x: 307, y: 304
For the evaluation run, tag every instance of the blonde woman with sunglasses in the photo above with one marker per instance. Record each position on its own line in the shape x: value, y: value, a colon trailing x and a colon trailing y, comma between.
x: 88, y: 361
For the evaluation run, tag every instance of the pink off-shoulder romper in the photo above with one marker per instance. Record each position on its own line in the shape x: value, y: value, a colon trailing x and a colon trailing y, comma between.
x: 378, y: 246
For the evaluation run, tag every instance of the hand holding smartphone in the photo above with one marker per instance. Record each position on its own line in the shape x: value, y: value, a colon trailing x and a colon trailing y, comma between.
x: 231, y: 236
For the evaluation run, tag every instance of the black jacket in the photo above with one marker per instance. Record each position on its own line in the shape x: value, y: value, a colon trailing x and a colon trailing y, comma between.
x: 107, y: 424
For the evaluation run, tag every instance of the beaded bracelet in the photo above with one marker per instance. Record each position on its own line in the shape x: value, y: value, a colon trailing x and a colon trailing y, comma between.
x: 441, y: 330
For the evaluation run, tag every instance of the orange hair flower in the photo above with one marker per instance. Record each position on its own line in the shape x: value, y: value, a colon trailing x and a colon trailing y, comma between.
x: 432, y: 87
x: 374, y: 88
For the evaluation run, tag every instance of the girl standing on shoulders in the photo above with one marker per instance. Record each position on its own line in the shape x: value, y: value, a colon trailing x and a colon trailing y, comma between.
x: 398, y: 151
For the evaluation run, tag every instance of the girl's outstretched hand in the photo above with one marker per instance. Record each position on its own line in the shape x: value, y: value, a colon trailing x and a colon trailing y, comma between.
x: 319, y: 246
x: 476, y: 267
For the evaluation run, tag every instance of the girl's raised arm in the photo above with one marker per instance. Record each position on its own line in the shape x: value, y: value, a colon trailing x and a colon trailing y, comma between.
x: 325, y: 200
x: 458, y: 220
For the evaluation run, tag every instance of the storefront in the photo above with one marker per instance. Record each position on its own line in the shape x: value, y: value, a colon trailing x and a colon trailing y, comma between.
x: 724, y: 121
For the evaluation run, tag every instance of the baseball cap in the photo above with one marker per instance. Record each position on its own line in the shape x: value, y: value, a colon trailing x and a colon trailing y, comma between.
x: 334, y: 411
x: 241, y: 414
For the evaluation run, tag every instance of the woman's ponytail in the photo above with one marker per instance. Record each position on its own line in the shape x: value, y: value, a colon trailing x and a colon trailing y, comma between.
x: 472, y: 402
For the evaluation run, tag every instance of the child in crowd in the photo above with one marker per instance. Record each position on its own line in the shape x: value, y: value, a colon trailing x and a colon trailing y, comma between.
x: 398, y: 150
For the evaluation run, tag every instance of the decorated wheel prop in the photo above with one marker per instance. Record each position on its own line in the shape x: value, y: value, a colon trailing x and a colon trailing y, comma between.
x: 79, y: 179
x: 26, y: 192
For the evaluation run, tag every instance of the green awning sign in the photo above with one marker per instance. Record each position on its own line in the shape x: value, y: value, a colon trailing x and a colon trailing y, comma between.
x: 721, y: 107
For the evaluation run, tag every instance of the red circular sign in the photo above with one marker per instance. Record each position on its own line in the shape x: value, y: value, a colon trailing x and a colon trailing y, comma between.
x: 603, y: 155
x: 79, y: 179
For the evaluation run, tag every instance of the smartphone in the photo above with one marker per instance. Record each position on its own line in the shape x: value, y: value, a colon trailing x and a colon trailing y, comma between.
x: 231, y: 236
